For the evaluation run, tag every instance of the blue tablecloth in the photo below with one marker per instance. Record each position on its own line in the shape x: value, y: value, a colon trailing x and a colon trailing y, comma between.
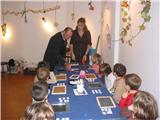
x: 83, y: 107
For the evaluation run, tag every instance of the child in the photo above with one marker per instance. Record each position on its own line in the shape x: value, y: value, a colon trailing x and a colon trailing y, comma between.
x: 107, y: 74
x: 40, y: 91
x: 43, y: 64
x: 133, y: 82
x: 144, y: 107
x: 39, y: 111
x: 96, y: 60
x: 42, y: 74
x: 119, y: 70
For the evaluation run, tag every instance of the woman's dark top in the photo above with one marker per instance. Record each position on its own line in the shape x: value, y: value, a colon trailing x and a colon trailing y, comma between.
x: 80, y: 44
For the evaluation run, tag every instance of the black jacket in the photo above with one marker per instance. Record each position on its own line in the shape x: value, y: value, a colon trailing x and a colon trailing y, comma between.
x: 55, y: 51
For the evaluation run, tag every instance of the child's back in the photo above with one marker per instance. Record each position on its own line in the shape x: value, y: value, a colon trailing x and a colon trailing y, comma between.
x: 107, y: 74
x: 109, y: 81
x: 119, y: 85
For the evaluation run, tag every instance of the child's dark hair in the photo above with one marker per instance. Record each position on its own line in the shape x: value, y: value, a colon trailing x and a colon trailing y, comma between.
x: 145, y: 106
x: 105, y: 69
x: 119, y: 69
x: 39, y: 90
x: 43, y: 64
x: 133, y: 80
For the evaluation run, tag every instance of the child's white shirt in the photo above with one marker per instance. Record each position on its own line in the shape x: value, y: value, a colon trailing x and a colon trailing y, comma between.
x: 109, y: 80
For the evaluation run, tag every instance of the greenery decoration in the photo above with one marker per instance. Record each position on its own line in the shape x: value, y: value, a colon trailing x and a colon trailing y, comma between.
x: 126, y: 20
x: 21, y: 13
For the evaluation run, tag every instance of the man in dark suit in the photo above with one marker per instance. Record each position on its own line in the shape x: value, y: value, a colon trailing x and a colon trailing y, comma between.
x: 56, y: 49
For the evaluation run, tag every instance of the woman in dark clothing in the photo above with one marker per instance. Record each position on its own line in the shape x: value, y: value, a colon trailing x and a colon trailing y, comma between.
x: 81, y: 42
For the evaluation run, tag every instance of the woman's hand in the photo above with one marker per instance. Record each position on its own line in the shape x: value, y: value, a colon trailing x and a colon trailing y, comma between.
x: 84, y: 59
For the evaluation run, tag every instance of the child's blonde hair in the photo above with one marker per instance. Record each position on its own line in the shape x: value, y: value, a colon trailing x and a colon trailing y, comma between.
x: 145, y: 106
x: 43, y: 73
x: 96, y: 58
x: 39, y: 111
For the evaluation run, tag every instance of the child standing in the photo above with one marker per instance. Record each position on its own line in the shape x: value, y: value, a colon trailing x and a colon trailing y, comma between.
x: 119, y: 84
x: 144, y: 107
x: 96, y: 60
x: 133, y: 82
x: 107, y: 74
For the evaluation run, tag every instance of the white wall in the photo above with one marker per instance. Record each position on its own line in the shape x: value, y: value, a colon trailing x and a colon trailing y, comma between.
x: 143, y: 57
x: 29, y: 40
x: 108, y: 26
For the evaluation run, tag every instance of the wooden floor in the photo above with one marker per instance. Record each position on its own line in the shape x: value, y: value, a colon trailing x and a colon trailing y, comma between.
x: 15, y: 95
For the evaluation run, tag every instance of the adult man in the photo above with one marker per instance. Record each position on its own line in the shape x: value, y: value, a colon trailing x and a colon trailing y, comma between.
x: 56, y: 49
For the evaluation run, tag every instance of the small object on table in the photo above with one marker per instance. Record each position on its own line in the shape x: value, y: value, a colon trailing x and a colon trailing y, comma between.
x: 61, y: 77
x: 59, y: 90
x: 74, y: 76
x: 90, y: 76
x: 82, y: 74
x: 105, y: 102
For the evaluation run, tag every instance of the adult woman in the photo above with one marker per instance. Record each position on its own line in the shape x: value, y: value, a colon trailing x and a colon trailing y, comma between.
x: 81, y: 42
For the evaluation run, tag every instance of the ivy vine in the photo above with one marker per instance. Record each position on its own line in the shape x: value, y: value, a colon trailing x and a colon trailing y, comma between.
x: 126, y: 20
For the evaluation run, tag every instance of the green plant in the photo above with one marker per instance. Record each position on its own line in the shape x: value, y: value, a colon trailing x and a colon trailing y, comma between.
x: 126, y: 20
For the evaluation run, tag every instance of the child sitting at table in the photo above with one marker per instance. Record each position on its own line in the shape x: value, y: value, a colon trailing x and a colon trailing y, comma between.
x: 144, y: 107
x: 133, y: 82
x: 96, y: 60
x: 39, y: 111
x: 43, y: 72
x: 107, y: 75
x: 40, y: 91
x: 119, y: 70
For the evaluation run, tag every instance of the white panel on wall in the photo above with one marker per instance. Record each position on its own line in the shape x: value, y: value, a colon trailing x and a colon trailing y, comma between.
x: 142, y: 58
x: 108, y: 27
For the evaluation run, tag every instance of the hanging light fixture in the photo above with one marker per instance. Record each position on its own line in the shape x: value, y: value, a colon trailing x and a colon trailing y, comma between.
x: 90, y: 4
x: 4, y: 26
x: 43, y: 18
x: 46, y: 24
x: 6, y: 33
x: 73, y: 11
x: 55, y: 22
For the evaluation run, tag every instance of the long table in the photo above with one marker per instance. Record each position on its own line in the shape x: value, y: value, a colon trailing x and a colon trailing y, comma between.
x: 83, y: 107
